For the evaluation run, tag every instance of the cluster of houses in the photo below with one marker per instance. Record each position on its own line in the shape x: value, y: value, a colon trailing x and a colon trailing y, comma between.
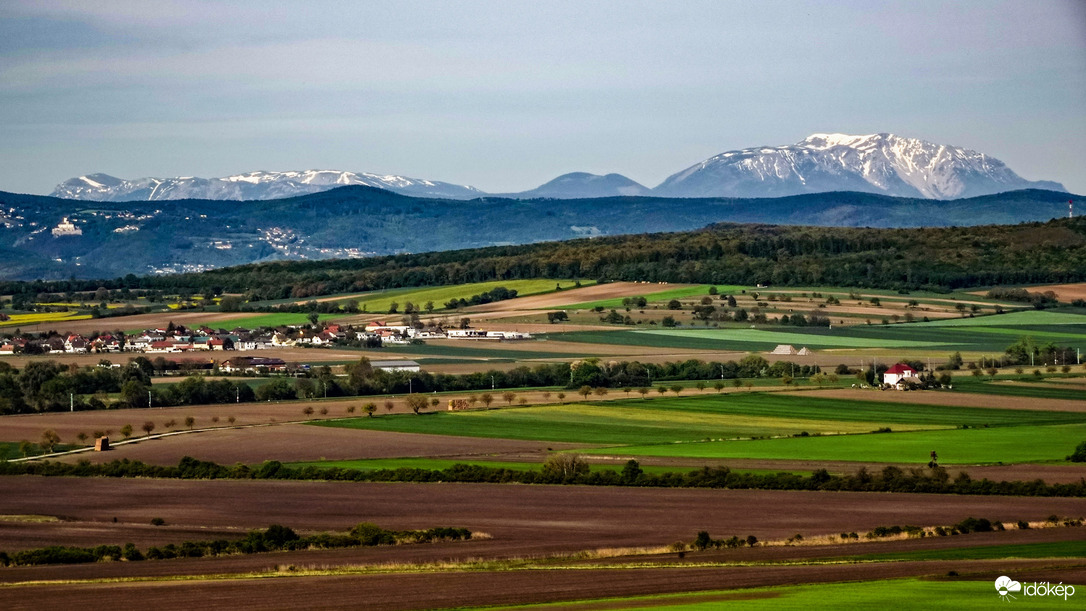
x: 179, y: 339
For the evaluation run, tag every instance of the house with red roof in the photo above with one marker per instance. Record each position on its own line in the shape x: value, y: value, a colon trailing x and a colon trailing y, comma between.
x: 900, y: 373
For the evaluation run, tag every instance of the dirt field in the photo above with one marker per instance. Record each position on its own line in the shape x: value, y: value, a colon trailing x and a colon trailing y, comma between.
x: 299, y: 442
x: 1065, y: 292
x: 523, y: 521
x: 956, y: 399
x: 539, y: 517
x: 456, y: 589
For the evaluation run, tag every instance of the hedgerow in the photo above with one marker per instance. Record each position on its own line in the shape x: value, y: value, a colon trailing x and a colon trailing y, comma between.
x: 890, y: 479
x: 275, y: 538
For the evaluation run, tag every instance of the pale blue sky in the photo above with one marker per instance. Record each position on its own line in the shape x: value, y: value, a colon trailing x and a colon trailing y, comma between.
x: 507, y: 95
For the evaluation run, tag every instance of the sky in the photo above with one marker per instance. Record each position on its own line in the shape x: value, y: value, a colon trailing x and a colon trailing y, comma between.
x: 507, y: 95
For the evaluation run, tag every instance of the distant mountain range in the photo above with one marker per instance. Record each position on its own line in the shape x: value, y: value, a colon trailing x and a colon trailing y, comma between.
x: 879, y: 163
x: 51, y: 238
x: 251, y: 186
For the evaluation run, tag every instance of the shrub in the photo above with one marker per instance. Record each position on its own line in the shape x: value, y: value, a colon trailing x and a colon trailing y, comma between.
x: 157, y: 522
x: 1079, y: 455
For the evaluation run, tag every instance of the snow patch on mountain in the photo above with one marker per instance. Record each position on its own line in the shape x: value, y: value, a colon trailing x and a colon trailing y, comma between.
x: 249, y: 186
x: 875, y: 163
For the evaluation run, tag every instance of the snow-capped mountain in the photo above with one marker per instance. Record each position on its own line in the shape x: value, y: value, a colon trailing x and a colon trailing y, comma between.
x: 250, y: 186
x: 577, y: 185
x: 877, y: 163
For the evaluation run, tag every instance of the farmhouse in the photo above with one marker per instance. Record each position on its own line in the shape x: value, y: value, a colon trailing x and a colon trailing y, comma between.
x: 899, y: 374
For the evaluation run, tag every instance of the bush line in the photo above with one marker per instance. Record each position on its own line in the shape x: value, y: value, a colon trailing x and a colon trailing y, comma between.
x: 274, y: 538
x: 890, y: 479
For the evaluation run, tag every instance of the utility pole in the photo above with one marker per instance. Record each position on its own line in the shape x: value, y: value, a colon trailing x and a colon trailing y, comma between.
x: 237, y: 394
x: 148, y: 398
x: 71, y: 401
x: 492, y: 380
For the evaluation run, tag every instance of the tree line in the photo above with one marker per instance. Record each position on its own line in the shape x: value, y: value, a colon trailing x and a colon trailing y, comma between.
x: 927, y: 480
x: 274, y: 538
x: 43, y: 386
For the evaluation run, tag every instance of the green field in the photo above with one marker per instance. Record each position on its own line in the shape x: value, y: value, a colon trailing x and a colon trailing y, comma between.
x: 983, y: 334
x: 381, y: 301
x: 276, y: 319
x: 923, y: 594
x: 771, y: 338
x: 1017, y: 444
x: 377, y: 302
x: 599, y: 425
x: 1055, y: 549
x: 1026, y: 317
x: 442, y: 464
x: 1002, y: 388
x: 667, y: 421
x: 10, y: 449
x: 658, y: 296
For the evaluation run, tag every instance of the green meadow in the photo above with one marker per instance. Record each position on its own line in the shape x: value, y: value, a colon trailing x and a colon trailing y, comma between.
x: 1054, y: 549
x: 925, y: 594
x: 658, y: 296
x: 276, y: 319
x: 1019, y: 444
x: 695, y: 427
x: 982, y: 334
x: 379, y: 302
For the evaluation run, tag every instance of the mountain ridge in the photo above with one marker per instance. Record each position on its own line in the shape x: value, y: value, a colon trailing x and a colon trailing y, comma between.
x: 47, y: 237
x: 821, y: 163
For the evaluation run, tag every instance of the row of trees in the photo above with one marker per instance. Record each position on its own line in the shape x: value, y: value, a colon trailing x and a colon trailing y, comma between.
x: 50, y: 386
x: 572, y: 470
x: 274, y: 538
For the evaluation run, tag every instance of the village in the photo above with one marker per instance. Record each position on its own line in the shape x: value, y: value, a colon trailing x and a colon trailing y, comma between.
x: 175, y: 339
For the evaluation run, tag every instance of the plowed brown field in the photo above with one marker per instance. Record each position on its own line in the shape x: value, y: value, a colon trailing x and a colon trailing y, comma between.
x: 523, y: 521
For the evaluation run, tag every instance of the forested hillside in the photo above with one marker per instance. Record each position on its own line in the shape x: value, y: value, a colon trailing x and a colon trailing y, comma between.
x: 933, y: 258
x: 52, y: 238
